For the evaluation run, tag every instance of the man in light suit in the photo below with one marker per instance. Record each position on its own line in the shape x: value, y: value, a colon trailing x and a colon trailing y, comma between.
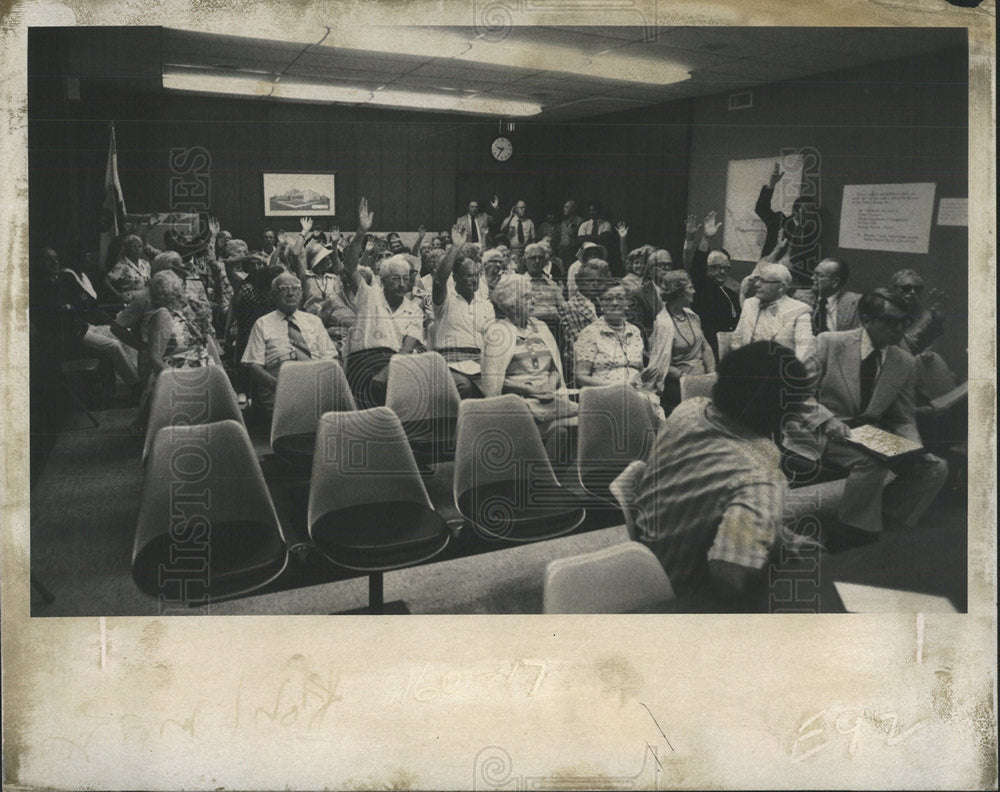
x: 864, y: 377
x: 833, y: 306
x: 478, y: 225
x: 772, y: 315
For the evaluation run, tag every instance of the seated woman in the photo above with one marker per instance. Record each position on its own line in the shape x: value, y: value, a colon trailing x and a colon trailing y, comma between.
x: 130, y: 273
x: 521, y: 356
x: 177, y: 337
x: 677, y: 347
x: 610, y: 350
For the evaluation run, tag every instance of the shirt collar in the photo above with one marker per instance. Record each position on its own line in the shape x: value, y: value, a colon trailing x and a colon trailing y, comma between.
x: 867, y: 347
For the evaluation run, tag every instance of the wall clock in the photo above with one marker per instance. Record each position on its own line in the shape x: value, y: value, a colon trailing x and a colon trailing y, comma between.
x: 502, y: 149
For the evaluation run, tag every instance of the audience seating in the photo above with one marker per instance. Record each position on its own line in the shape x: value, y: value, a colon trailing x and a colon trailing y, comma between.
x: 624, y: 488
x: 368, y: 508
x: 421, y: 391
x: 616, y: 427
x: 624, y: 578
x: 724, y: 338
x: 695, y: 385
x: 190, y: 396
x: 504, y: 484
x: 207, y: 527
x: 307, y: 389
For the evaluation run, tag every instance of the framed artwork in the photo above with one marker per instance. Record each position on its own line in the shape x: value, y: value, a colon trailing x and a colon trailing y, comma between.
x: 297, y: 194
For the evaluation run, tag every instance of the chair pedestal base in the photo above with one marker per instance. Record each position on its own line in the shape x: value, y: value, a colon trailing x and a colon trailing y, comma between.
x: 394, y: 608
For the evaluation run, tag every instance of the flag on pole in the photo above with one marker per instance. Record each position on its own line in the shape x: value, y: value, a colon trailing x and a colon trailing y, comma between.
x: 113, y: 211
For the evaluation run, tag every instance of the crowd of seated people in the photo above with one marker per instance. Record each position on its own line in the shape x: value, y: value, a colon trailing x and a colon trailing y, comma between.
x: 532, y: 311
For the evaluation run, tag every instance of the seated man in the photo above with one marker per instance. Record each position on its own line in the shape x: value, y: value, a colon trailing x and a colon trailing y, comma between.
x: 773, y: 316
x: 544, y: 291
x: 710, y: 504
x: 285, y: 333
x: 926, y: 322
x: 462, y: 315
x: 833, y: 306
x: 717, y: 305
x: 388, y: 322
x: 864, y: 377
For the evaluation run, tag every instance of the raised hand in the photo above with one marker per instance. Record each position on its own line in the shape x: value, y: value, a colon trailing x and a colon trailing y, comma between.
x: 421, y: 231
x: 622, y: 229
x: 776, y: 175
x: 691, y: 226
x: 213, y: 226
x: 495, y: 201
x: 365, y: 217
x: 711, y: 226
x: 459, y: 235
x: 307, y: 225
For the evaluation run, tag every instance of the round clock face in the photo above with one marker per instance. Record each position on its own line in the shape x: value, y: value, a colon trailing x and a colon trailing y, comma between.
x: 502, y: 149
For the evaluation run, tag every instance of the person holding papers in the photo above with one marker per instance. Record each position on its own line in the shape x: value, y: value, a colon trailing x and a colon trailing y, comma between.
x: 863, y: 377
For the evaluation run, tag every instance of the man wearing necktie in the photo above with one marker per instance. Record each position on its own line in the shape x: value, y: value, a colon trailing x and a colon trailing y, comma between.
x: 477, y: 224
x: 518, y: 229
x: 284, y: 334
x: 865, y: 377
x: 833, y: 306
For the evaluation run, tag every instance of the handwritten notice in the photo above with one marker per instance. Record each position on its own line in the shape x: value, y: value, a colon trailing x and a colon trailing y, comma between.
x: 953, y: 211
x: 891, y: 217
x: 743, y: 232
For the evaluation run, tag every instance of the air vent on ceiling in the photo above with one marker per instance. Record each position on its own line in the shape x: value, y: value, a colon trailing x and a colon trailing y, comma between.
x: 741, y: 101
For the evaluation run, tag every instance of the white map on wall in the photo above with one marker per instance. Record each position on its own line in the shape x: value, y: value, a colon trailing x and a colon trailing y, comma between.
x: 743, y: 233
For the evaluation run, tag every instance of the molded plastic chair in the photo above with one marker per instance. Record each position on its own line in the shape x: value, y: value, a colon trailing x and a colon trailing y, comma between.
x: 306, y: 390
x: 724, y: 339
x: 421, y: 391
x: 190, y: 396
x: 207, y: 528
x: 368, y: 508
x: 504, y: 484
x: 695, y: 385
x: 616, y: 427
x: 624, y: 578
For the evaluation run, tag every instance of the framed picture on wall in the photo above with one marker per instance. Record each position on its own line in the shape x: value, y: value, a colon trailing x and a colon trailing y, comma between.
x: 297, y: 194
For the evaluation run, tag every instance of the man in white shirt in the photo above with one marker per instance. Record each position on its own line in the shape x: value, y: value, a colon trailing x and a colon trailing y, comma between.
x: 833, y: 306
x: 462, y: 315
x: 478, y: 224
x: 518, y: 229
x: 773, y: 316
x: 284, y: 334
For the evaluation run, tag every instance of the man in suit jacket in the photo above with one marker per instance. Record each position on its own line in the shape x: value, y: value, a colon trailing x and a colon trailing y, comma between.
x: 478, y: 225
x: 864, y: 377
x: 833, y: 306
x: 774, y: 316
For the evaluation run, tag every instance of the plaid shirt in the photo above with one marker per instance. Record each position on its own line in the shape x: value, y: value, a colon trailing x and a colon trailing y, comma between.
x: 574, y: 315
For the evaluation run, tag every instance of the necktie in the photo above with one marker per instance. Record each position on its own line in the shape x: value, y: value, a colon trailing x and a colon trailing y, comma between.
x: 819, y: 317
x: 520, y: 232
x: 869, y: 373
x: 296, y: 338
x: 474, y: 228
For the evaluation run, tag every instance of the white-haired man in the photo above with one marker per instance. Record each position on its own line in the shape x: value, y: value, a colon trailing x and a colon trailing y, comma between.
x: 387, y: 322
x: 518, y: 229
x: 285, y: 333
x: 771, y: 315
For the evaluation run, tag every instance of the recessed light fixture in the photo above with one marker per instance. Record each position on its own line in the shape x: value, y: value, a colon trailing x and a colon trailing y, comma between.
x: 194, y: 81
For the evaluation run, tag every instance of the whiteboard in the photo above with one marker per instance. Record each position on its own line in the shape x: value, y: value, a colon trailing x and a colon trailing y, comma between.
x: 891, y: 217
x: 743, y: 233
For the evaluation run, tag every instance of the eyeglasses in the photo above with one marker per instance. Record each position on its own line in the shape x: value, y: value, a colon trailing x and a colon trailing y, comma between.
x: 397, y: 279
x: 289, y: 290
x: 895, y: 322
x: 911, y: 288
x: 761, y: 280
x: 719, y: 267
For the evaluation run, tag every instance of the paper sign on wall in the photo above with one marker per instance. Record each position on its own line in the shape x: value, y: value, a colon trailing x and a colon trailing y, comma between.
x: 953, y: 211
x: 743, y: 233
x: 891, y: 217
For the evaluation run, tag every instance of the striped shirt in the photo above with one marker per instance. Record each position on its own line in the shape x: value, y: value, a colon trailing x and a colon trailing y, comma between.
x: 712, y: 492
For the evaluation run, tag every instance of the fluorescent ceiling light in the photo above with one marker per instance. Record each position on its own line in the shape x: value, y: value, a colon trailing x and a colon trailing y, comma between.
x: 298, y: 90
x: 461, y: 46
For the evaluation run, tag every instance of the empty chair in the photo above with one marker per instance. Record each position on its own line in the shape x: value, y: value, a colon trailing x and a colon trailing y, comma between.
x: 694, y: 385
x: 207, y: 527
x: 616, y: 427
x: 504, y: 484
x: 421, y: 391
x: 190, y: 396
x: 623, y: 578
x: 724, y: 338
x: 306, y: 390
x: 368, y: 508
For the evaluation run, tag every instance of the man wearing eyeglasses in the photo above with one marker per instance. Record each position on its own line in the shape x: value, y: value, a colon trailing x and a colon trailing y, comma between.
x: 833, y: 306
x: 284, y: 334
x: 865, y: 377
x: 717, y: 305
x: 771, y: 315
x: 926, y: 324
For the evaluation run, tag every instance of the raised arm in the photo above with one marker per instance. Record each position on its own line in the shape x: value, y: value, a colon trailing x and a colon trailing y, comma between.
x: 353, y: 253
x: 622, y: 230
x: 763, y: 208
x: 439, y: 290
x: 421, y: 233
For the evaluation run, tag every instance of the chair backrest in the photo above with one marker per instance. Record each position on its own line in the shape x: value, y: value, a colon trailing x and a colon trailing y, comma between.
x: 360, y: 458
x: 497, y: 440
x: 190, y: 396
x: 624, y: 489
x: 695, y: 385
x: 420, y: 387
x: 616, y: 427
x: 306, y: 390
x: 724, y: 338
x: 624, y: 578
x: 934, y: 377
x: 207, y: 525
